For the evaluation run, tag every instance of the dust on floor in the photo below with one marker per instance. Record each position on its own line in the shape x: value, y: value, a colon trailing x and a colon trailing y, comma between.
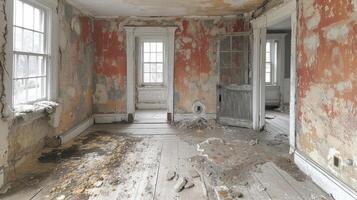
x: 231, y: 163
x: 71, y: 171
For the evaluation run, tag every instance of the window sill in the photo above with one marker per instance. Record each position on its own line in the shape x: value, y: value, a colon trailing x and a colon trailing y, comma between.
x: 30, y: 112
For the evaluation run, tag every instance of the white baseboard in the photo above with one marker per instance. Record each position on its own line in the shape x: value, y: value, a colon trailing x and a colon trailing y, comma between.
x: 109, y: 118
x: 324, y: 179
x: 178, y: 117
x: 74, y: 132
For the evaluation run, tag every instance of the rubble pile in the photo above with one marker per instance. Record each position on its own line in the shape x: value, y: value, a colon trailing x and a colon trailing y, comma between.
x: 197, y: 123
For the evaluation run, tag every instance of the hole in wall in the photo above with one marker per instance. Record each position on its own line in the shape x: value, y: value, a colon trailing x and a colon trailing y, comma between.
x: 198, y: 108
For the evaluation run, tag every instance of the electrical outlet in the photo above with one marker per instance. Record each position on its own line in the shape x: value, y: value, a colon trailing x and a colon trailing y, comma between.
x: 336, y: 161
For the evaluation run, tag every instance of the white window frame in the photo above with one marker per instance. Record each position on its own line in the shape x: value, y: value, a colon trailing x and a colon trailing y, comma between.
x: 52, y: 73
x: 142, y: 40
x: 273, y: 62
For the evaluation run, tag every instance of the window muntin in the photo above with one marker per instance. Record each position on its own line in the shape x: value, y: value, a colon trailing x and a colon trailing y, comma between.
x: 31, y: 55
x: 271, y: 62
x: 153, y: 62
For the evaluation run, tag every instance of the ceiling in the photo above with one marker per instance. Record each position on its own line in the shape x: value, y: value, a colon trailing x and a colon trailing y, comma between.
x: 111, y: 8
x: 283, y: 25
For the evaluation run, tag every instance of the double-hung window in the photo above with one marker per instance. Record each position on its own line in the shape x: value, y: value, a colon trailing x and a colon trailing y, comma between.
x: 153, y: 63
x: 31, y: 51
x: 271, y: 62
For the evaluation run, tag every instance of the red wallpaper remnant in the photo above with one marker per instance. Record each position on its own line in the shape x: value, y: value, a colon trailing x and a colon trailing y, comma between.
x: 195, y: 60
x: 76, y: 60
x: 327, y: 78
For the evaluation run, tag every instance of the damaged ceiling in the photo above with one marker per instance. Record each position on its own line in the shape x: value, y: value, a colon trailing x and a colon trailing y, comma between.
x: 110, y: 8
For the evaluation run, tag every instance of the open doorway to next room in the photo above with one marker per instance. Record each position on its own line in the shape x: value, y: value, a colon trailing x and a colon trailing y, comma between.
x: 151, y: 81
x: 277, y: 78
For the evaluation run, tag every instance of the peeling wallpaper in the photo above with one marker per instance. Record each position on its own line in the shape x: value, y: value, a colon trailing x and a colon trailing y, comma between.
x: 327, y: 80
x: 195, y: 60
x: 4, y: 129
x: 75, y: 69
x: 76, y: 63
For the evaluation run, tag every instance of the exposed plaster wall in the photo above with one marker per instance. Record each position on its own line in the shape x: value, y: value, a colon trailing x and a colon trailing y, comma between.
x: 21, y: 138
x: 76, y: 63
x: 195, y: 60
x: 327, y: 85
x: 4, y: 130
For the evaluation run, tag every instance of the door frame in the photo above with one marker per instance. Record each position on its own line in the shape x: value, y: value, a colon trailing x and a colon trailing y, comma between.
x: 260, y: 24
x: 133, y: 32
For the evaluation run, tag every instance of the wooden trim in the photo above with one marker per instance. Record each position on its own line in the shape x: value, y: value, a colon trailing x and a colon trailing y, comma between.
x: 164, y: 32
x: 109, y: 118
x: 260, y: 24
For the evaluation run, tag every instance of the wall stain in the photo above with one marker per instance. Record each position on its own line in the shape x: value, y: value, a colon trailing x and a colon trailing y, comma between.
x: 327, y: 76
x: 195, y: 59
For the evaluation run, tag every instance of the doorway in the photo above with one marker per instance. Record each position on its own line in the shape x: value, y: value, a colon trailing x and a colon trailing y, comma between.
x: 274, y: 81
x: 277, y: 78
x: 151, y: 80
x: 150, y: 74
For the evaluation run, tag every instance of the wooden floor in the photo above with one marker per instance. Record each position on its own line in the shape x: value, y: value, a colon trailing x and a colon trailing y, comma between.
x: 150, y: 116
x: 144, y: 170
x: 277, y: 122
x: 159, y: 152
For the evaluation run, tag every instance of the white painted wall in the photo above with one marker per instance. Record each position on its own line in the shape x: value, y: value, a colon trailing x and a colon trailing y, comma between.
x: 286, y: 91
x: 272, y: 95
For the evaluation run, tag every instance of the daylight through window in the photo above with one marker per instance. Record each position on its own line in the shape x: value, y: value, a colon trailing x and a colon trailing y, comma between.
x: 30, y: 52
x: 153, y: 62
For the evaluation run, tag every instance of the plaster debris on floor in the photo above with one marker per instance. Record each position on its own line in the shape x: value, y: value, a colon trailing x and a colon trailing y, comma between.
x: 204, y: 163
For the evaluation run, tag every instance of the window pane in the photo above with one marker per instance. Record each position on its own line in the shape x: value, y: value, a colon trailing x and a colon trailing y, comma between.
x: 159, y: 57
x: 20, y: 66
x: 225, y: 44
x: 35, y: 89
x: 146, y: 67
x: 153, y: 47
x: 146, y: 57
x: 38, y: 41
x: 18, y: 13
x: 36, y: 66
x: 159, y: 68
x: 38, y: 20
x: 153, y: 77
x: 28, y: 16
x: 28, y: 41
x: 146, y: 47
x: 268, y: 47
x: 267, y: 58
x: 159, y: 47
x: 159, y: 77
x: 19, y: 91
x: 153, y: 57
x: 267, y: 78
x: 225, y: 59
x: 18, y: 39
x: 146, y: 77
x: 268, y: 67
x: 153, y: 68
